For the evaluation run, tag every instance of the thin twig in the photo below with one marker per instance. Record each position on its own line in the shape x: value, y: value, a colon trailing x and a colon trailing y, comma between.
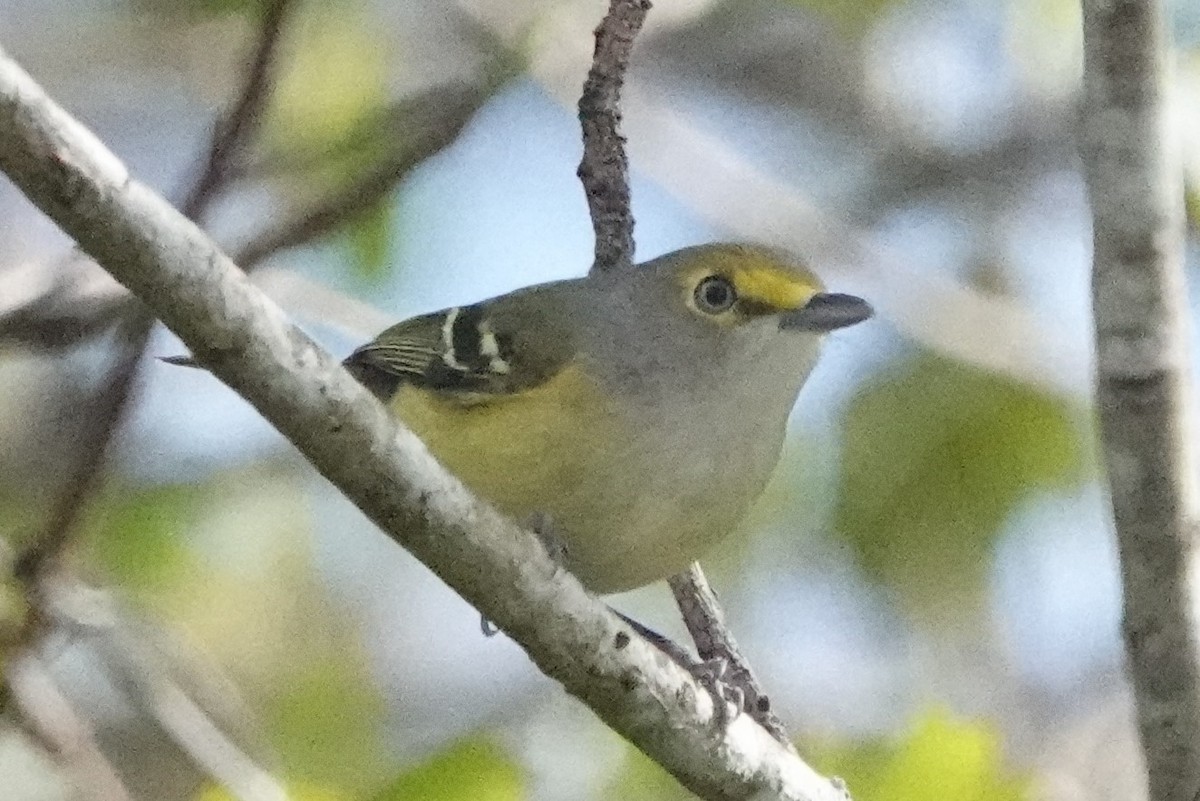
x: 604, y: 169
x: 112, y: 400
x: 705, y: 621
x: 238, y: 126
x: 604, y: 172
x: 431, y: 121
x: 1143, y: 378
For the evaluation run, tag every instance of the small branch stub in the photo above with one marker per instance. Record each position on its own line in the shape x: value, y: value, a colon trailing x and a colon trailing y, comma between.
x: 604, y: 169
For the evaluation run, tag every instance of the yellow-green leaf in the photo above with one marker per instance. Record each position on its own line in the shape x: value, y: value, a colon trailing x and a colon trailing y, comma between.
x: 937, y: 455
x: 335, y: 77
x: 139, y: 538
x: 940, y: 757
x: 369, y: 238
x: 473, y: 769
x: 326, y: 723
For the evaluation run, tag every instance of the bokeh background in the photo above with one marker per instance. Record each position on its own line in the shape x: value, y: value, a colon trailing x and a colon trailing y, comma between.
x: 928, y: 589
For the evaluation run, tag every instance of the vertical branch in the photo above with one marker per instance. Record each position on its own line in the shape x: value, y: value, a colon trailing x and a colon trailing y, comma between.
x: 1143, y: 381
x: 705, y: 621
x: 604, y: 172
x: 604, y: 169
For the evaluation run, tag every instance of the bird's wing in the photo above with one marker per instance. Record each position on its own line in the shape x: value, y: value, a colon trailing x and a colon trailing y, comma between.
x: 487, y: 350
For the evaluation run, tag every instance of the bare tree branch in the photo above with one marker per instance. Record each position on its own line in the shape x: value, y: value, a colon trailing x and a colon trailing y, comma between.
x: 113, y: 398
x: 237, y: 127
x: 427, y: 124
x: 1143, y: 380
x: 244, y: 340
x: 52, y: 720
x: 705, y: 621
x: 604, y: 169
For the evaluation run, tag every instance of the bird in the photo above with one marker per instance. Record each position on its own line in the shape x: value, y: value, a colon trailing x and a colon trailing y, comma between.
x: 639, y: 411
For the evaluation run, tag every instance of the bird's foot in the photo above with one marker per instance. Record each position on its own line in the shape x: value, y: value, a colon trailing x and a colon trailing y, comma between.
x: 541, y: 524
x: 714, y: 675
x: 740, y: 685
x: 729, y: 699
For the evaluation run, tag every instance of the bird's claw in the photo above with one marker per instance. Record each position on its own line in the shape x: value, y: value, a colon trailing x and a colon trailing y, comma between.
x: 541, y: 524
x: 729, y: 699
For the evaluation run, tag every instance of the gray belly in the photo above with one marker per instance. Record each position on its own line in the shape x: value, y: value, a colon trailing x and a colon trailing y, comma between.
x: 651, y: 521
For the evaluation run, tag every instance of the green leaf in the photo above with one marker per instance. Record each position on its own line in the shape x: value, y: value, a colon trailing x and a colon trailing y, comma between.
x: 937, y: 456
x: 335, y: 77
x: 369, y: 239
x: 939, y: 758
x: 327, y: 721
x: 138, y: 539
x: 473, y: 769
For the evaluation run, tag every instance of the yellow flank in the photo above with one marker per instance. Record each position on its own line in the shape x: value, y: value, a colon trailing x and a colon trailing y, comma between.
x: 757, y: 276
x: 501, y: 447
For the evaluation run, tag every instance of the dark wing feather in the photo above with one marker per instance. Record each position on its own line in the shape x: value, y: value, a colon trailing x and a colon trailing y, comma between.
x: 494, y: 348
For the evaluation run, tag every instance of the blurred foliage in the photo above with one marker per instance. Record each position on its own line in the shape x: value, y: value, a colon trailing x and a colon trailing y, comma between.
x: 314, y: 104
x: 938, y: 758
x: 137, y: 535
x: 326, y: 722
x: 473, y: 769
x: 938, y: 455
x: 369, y: 238
x: 854, y: 17
x: 298, y: 791
x: 228, y: 561
x: 203, y: 8
x: 14, y: 620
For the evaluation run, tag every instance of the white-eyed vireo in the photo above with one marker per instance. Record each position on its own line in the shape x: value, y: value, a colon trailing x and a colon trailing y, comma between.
x: 641, y: 410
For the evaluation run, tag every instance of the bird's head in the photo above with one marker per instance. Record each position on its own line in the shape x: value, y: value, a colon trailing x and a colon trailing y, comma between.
x: 734, y: 286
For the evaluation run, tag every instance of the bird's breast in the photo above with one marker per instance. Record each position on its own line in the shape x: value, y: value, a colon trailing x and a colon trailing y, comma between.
x: 634, y: 494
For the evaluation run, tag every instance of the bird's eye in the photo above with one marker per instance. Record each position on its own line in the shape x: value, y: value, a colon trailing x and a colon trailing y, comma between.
x: 715, y: 294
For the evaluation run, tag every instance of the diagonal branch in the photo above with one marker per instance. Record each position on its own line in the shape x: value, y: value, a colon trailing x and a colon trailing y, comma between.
x: 430, y: 122
x: 57, y: 725
x: 244, y: 339
x: 1143, y: 379
x: 715, y: 644
x: 604, y: 169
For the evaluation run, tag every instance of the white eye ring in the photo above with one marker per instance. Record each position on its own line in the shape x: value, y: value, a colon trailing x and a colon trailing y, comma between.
x: 715, y: 294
